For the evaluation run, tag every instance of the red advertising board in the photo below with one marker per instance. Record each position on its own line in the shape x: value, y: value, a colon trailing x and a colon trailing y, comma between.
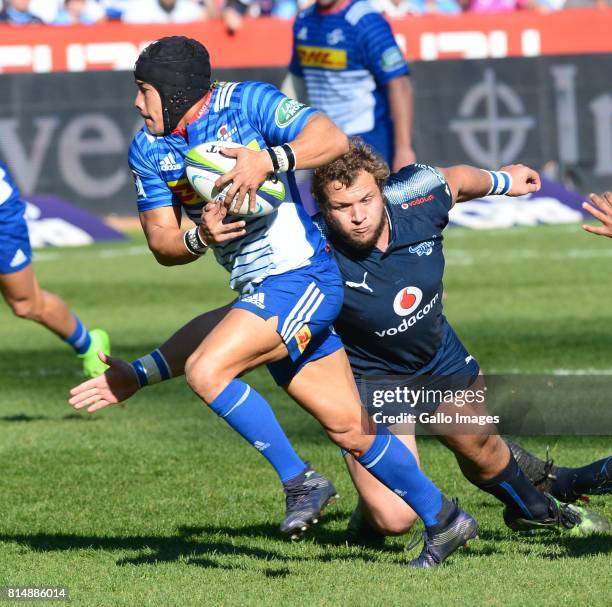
x: 267, y: 42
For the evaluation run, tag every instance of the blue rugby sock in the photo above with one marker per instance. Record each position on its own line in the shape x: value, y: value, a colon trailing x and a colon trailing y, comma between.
x: 514, y: 489
x: 393, y: 464
x: 80, y: 339
x: 251, y: 416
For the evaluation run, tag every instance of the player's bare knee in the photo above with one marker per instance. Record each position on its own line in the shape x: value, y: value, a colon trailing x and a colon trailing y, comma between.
x: 394, y: 523
x: 201, y: 377
x: 350, y: 436
x: 27, y: 309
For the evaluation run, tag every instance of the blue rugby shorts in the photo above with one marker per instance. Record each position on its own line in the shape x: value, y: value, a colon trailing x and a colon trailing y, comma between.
x: 452, y: 368
x: 306, y: 302
x: 15, y: 249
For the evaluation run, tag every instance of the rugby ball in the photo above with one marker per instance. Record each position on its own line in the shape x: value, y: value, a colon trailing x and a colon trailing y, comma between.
x: 204, y: 164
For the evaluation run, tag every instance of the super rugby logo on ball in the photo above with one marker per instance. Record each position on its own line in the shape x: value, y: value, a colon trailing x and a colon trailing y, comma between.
x: 205, y: 163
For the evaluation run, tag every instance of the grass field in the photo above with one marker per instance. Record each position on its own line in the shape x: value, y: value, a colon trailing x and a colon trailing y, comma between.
x: 159, y: 503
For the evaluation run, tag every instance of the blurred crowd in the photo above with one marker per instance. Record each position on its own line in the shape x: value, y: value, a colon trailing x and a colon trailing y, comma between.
x: 66, y: 12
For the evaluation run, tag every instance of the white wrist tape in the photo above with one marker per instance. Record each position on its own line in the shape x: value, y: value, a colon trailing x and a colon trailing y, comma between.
x: 283, y: 158
x: 501, y: 183
x: 151, y: 369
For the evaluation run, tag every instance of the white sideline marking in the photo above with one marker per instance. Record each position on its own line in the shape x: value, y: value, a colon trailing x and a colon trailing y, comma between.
x: 461, y: 257
x: 99, y: 254
x: 561, y: 372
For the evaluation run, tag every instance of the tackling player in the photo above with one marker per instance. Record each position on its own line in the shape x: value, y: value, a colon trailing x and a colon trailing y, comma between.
x: 346, y: 62
x: 386, y: 232
x: 22, y: 292
x: 289, y: 286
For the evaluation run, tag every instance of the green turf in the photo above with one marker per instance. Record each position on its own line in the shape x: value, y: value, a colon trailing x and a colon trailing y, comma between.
x: 160, y: 504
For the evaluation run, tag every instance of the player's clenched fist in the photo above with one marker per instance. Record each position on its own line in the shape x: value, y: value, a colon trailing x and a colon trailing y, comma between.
x: 524, y: 179
x: 600, y: 209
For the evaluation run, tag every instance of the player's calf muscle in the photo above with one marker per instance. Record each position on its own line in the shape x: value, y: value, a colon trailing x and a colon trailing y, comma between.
x: 481, y: 457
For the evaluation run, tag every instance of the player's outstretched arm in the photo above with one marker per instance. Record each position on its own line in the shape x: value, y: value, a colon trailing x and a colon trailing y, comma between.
x: 467, y: 182
x: 121, y: 380
x: 600, y: 209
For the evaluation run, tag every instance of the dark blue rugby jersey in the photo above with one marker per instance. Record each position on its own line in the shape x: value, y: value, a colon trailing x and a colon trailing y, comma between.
x: 11, y: 206
x: 391, y: 321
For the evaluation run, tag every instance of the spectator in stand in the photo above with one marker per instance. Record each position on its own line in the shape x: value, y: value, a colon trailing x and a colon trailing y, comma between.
x: 17, y: 12
x: 163, y: 11
x: 401, y: 8
x: 234, y: 10
x: 493, y: 6
x: 115, y: 8
x: 86, y: 12
x: 45, y: 9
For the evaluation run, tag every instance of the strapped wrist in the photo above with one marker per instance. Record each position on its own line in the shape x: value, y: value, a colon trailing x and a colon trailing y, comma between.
x: 194, y: 243
x: 501, y: 182
x: 283, y: 158
x: 151, y: 369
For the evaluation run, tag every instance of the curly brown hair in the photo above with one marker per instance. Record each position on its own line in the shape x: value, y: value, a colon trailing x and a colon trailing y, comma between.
x: 344, y: 170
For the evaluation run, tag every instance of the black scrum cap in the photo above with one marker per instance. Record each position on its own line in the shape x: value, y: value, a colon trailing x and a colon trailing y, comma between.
x: 179, y: 70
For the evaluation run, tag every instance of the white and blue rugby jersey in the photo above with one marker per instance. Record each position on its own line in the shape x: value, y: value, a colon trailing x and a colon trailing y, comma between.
x: 253, y: 114
x: 12, y: 207
x: 347, y: 58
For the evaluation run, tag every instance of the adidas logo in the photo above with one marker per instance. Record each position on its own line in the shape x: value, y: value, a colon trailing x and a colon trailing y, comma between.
x: 260, y: 446
x: 169, y: 163
x: 400, y: 492
x: 18, y: 258
x: 257, y: 299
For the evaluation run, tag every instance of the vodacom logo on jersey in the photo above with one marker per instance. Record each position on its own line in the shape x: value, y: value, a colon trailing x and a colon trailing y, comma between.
x: 405, y: 303
x: 407, y: 300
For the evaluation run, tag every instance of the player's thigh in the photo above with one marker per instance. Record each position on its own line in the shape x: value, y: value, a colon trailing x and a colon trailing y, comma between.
x: 325, y: 388
x: 239, y: 342
x: 20, y: 287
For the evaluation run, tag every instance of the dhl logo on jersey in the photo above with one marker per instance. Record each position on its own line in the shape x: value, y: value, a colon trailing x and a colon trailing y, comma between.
x: 184, y: 191
x: 318, y: 56
x: 303, y: 337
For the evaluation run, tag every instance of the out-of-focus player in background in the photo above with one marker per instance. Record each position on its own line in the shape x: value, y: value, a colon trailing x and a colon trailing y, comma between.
x: 601, y: 208
x: 346, y: 62
x: 22, y: 292
x: 289, y: 286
